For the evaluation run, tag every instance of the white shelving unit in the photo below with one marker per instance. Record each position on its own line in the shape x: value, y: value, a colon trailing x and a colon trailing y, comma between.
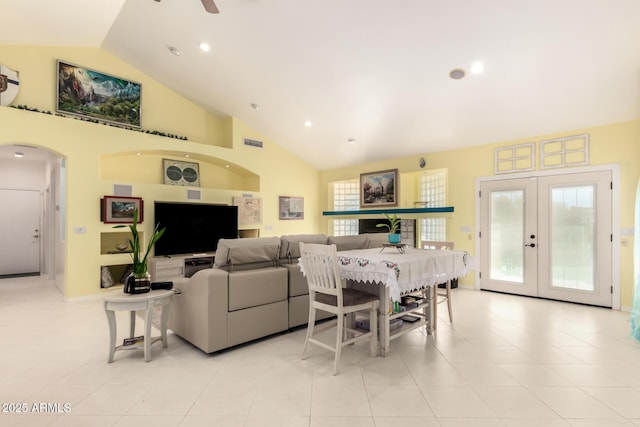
x: 424, y: 312
x: 175, y: 267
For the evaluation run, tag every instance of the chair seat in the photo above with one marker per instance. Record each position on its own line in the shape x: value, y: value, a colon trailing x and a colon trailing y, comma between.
x: 349, y: 297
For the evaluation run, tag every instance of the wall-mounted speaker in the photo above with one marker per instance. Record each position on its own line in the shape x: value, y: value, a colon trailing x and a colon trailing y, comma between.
x: 194, y: 195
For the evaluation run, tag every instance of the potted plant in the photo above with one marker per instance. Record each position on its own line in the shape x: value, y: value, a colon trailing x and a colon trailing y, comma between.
x: 393, y: 226
x: 139, y: 281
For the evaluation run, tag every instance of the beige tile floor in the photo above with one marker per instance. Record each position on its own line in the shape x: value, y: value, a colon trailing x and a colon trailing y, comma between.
x: 506, y: 361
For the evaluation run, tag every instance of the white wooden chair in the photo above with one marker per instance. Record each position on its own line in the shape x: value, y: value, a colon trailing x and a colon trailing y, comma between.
x: 445, y: 294
x: 320, y: 265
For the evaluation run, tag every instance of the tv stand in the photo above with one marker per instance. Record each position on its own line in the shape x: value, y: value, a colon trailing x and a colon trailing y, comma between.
x: 174, y: 267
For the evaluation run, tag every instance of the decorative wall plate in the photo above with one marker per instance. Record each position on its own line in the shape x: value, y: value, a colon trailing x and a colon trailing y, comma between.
x: 181, y: 173
x: 9, y: 85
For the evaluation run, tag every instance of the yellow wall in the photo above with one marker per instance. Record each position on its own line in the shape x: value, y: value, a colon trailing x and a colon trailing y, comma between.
x: 98, y: 156
x: 92, y: 151
x: 611, y: 144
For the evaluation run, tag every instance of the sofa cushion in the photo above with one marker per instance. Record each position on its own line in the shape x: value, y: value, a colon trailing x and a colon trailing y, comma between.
x: 251, y: 288
x: 290, y: 245
x: 348, y: 243
x: 249, y: 253
x: 375, y: 240
x: 297, y: 281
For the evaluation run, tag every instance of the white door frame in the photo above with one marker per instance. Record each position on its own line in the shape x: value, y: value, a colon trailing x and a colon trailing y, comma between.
x: 615, y: 213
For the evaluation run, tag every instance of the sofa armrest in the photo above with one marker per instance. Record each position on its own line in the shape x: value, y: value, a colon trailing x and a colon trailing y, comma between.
x: 199, y: 310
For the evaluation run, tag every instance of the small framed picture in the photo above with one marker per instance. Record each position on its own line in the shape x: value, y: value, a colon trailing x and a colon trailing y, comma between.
x: 119, y: 210
x: 291, y: 207
x: 379, y: 189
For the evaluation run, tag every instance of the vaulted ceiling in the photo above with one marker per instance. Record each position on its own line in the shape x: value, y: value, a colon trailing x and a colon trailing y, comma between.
x: 371, y: 71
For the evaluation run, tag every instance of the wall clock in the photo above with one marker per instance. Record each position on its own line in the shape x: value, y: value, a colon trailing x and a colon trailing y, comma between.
x: 9, y: 85
x: 181, y: 173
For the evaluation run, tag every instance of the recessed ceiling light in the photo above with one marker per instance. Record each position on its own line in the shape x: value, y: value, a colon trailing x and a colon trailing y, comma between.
x: 204, y: 46
x: 18, y: 154
x: 351, y: 141
x: 308, y: 123
x: 477, y: 67
x: 457, y: 73
x: 226, y: 166
x: 174, y: 51
x: 187, y: 155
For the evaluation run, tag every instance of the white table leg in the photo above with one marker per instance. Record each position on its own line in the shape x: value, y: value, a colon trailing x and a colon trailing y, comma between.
x: 163, y: 325
x: 132, y: 324
x: 111, y: 319
x: 432, y: 298
x: 147, y: 334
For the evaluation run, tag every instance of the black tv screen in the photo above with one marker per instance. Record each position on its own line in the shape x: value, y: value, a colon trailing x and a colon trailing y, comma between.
x: 194, y: 228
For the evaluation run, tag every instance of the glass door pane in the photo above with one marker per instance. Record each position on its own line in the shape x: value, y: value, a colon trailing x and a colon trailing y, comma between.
x: 573, y: 243
x: 507, y: 228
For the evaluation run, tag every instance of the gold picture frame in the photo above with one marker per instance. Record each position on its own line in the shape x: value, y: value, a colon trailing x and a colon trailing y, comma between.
x: 379, y: 189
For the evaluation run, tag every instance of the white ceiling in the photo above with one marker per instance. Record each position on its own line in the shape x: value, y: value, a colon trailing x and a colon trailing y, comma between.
x: 372, y: 70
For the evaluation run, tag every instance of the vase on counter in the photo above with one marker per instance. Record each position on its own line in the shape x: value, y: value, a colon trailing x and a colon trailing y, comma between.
x: 394, y: 238
x: 138, y: 283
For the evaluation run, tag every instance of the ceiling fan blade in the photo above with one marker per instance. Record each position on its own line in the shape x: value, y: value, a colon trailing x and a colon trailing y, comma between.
x: 210, y: 6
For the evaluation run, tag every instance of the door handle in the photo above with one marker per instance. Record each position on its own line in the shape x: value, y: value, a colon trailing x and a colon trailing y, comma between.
x: 533, y: 245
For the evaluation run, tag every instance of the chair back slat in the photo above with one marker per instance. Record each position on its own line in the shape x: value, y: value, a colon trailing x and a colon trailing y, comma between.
x: 320, y: 264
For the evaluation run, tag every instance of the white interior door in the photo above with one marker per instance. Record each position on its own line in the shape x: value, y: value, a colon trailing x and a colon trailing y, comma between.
x: 20, y: 231
x: 548, y: 236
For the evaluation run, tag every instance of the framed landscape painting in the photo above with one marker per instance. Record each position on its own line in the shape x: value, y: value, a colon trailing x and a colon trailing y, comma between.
x: 120, y: 209
x: 379, y: 189
x: 93, y: 95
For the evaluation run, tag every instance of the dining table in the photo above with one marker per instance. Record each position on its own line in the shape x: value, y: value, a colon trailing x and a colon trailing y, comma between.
x: 393, y: 272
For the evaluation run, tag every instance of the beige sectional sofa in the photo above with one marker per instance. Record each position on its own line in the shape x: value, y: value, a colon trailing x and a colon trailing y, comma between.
x: 254, y: 290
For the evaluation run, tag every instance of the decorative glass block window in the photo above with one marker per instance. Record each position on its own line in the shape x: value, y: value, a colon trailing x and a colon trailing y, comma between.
x: 433, y: 194
x: 515, y: 158
x: 346, y: 197
x: 563, y: 152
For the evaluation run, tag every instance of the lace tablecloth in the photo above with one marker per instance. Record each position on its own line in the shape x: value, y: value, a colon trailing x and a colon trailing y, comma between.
x: 404, y: 272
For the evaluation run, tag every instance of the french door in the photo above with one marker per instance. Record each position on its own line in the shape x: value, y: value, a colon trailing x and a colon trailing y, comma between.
x: 548, y: 236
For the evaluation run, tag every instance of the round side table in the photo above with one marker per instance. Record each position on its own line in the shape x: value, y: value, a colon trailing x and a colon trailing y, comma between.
x: 119, y: 301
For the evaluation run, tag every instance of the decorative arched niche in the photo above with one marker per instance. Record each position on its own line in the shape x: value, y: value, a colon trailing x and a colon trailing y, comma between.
x: 147, y: 167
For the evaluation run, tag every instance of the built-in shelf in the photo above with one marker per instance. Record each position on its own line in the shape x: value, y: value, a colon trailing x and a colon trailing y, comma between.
x: 109, y: 241
x: 443, y: 209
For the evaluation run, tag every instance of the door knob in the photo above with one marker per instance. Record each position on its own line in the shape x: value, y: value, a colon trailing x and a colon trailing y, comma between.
x: 533, y: 245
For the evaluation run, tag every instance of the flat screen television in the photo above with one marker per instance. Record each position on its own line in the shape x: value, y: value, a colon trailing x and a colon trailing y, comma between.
x: 193, y: 228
